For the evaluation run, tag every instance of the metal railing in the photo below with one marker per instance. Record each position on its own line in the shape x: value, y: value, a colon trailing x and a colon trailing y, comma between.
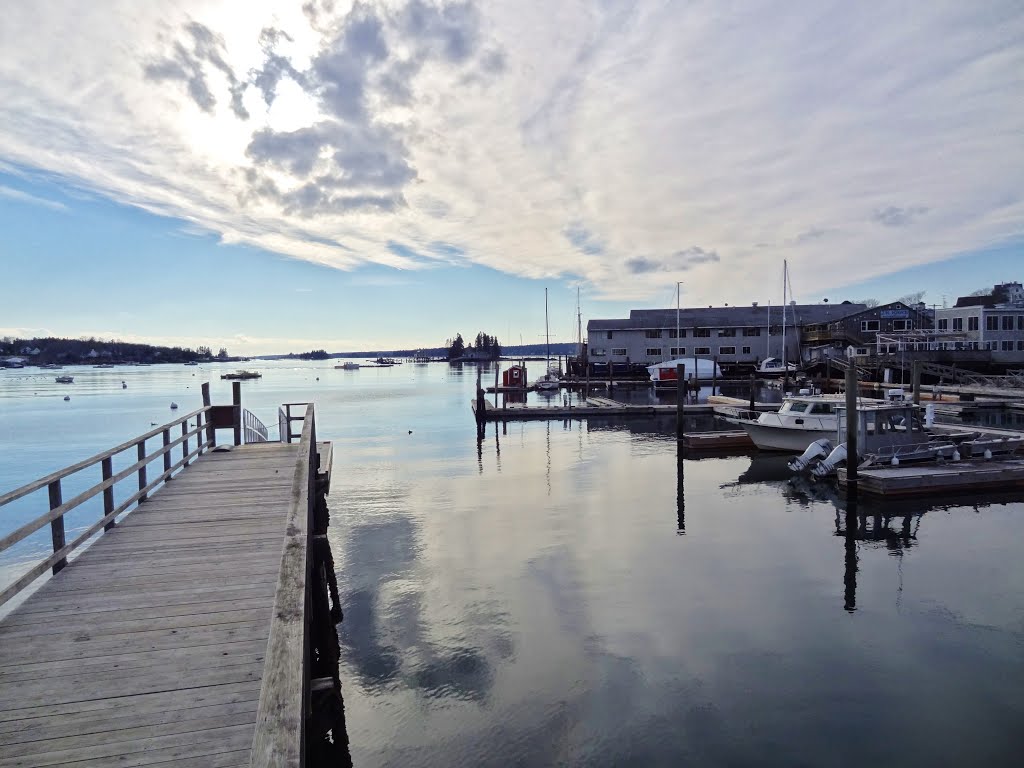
x: 253, y: 430
x: 203, y: 435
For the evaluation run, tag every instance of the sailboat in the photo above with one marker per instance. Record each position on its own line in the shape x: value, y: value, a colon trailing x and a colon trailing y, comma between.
x: 772, y: 366
x: 549, y: 382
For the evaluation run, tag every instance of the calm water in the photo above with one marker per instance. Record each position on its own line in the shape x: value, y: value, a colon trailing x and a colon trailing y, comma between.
x: 570, y: 594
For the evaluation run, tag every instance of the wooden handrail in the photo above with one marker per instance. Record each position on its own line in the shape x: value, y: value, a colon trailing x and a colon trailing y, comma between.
x: 34, y: 525
x: 279, y: 740
x: 42, y: 482
x: 204, y: 439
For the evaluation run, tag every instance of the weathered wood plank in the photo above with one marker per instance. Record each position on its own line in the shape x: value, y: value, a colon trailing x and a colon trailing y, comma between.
x: 150, y: 647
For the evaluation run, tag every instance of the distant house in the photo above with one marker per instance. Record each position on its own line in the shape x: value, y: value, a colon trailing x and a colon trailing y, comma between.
x: 993, y: 322
x: 92, y: 354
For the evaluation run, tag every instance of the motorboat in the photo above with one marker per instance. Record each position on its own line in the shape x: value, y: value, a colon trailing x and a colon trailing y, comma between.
x: 104, y: 365
x: 174, y: 406
x: 191, y: 362
x: 65, y: 379
x: 800, y: 421
x: 664, y: 374
x: 242, y: 375
x: 772, y: 366
x: 349, y: 366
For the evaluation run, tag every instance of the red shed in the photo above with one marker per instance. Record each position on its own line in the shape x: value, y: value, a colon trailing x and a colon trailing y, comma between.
x: 514, y: 376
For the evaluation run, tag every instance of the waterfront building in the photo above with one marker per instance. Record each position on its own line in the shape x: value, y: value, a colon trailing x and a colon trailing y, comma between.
x: 992, y: 323
x: 736, y: 336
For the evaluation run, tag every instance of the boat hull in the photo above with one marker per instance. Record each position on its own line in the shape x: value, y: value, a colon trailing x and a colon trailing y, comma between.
x: 782, y: 438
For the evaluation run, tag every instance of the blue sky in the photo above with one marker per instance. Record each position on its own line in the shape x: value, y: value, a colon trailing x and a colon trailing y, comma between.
x: 383, y: 175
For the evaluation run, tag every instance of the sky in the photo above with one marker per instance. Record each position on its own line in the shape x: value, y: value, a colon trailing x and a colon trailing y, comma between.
x: 282, y: 176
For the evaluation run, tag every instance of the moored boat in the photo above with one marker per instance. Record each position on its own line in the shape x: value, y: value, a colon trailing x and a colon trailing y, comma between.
x: 65, y: 379
x: 242, y: 375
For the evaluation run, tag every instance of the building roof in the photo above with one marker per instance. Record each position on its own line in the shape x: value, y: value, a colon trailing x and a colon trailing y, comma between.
x: 728, y: 317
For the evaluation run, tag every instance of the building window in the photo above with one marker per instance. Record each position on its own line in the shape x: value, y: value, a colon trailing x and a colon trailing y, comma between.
x: 992, y: 323
x: 972, y: 323
x: 610, y: 335
x: 678, y: 351
x: 701, y: 333
x: 944, y: 324
x: 901, y: 325
x: 1007, y: 322
x: 597, y: 353
x: 1008, y: 345
x: 673, y: 334
x: 618, y: 351
x: 751, y: 331
x: 727, y: 350
x: 746, y: 350
x: 958, y: 323
x: 727, y: 332
x: 654, y: 351
x: 868, y: 325
x: 653, y: 334
x: 702, y: 350
x: 1020, y: 345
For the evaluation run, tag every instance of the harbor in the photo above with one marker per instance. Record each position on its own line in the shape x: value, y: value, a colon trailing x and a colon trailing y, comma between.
x: 430, y: 634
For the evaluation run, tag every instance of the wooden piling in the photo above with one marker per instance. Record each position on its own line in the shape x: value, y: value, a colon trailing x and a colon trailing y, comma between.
x: 753, y: 391
x: 680, y: 398
x: 236, y: 401
x: 611, y: 376
x: 851, y: 424
x: 915, y: 378
x: 714, y: 374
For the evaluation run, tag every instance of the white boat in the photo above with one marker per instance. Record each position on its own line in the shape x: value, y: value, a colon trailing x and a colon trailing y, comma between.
x: 550, y: 381
x: 799, y: 422
x: 349, y: 366
x: 698, y: 367
x: 772, y: 366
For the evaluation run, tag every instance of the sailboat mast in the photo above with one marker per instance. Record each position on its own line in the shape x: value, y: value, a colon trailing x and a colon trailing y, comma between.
x: 547, y: 333
x: 768, y: 322
x: 579, y: 324
x: 678, y: 290
x: 785, y: 269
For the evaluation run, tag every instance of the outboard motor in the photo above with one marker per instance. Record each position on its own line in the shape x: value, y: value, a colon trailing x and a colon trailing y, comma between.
x: 828, y: 466
x: 815, y: 450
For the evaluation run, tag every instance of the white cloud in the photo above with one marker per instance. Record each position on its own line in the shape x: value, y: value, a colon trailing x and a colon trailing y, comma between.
x: 24, y: 197
x: 541, y: 138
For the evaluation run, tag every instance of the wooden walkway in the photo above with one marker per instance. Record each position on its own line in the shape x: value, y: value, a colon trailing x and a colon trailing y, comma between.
x: 149, y: 648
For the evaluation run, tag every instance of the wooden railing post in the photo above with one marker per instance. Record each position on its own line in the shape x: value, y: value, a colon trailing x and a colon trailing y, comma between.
x: 236, y: 401
x: 141, y: 450
x: 57, y: 525
x: 167, y: 451
x: 184, y: 443
x: 108, y: 493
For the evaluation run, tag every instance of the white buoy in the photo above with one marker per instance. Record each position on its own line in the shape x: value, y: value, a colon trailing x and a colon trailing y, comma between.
x: 987, y: 454
x: 174, y: 406
x: 956, y: 455
x: 895, y: 461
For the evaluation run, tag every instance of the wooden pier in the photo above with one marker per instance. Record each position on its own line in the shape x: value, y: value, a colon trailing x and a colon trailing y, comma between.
x: 597, y: 406
x: 197, y: 629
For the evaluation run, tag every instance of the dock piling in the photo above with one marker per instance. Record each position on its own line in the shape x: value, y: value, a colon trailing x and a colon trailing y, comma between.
x: 851, y: 424
x: 236, y: 402
x: 680, y: 397
x: 714, y: 374
x: 915, y: 378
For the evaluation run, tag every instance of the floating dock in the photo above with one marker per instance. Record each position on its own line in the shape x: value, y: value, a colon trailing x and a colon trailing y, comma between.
x: 602, y: 406
x: 931, y: 478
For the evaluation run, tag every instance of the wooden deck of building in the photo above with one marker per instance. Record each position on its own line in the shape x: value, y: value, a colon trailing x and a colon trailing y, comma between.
x: 182, y: 635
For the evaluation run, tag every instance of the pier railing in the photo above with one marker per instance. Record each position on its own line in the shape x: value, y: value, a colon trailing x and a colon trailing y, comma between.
x: 192, y: 441
x: 285, y: 419
x: 284, y: 695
